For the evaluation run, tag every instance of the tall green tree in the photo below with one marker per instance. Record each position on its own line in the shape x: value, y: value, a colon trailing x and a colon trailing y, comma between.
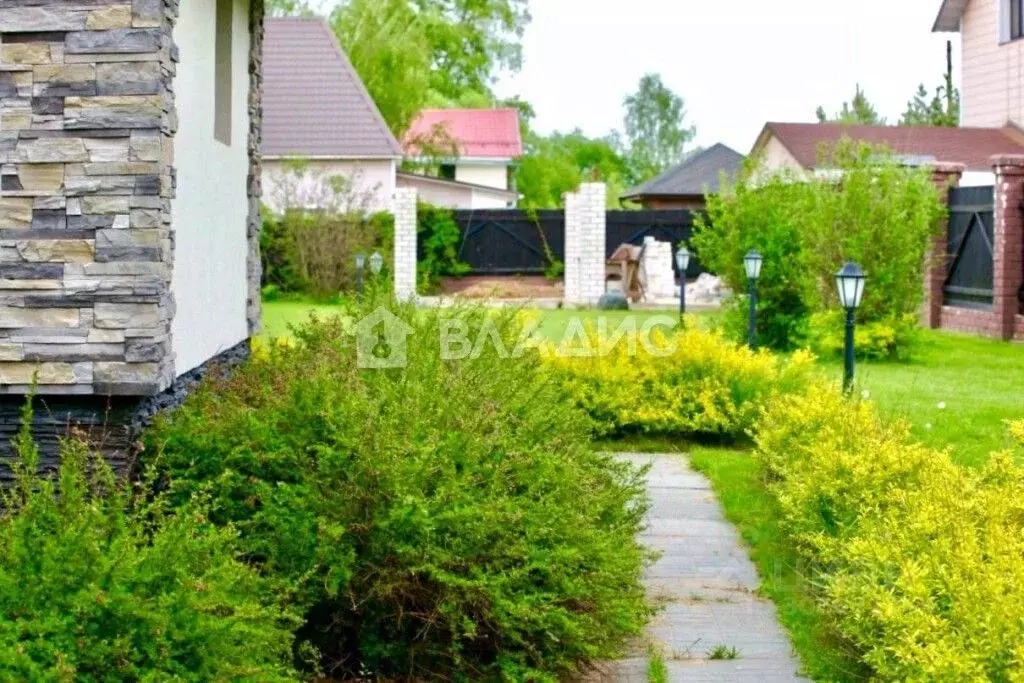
x: 288, y: 8
x: 857, y: 110
x: 386, y: 40
x: 471, y: 41
x: 417, y: 53
x: 656, y: 132
x: 940, y: 109
x: 558, y: 163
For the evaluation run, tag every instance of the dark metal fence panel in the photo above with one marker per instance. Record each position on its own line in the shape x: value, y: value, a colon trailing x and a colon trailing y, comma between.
x: 970, y: 254
x: 631, y: 227
x: 510, y: 241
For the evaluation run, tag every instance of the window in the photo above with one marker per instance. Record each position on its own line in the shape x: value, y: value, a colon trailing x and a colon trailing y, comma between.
x: 1011, y: 20
x: 222, y: 76
x: 447, y: 171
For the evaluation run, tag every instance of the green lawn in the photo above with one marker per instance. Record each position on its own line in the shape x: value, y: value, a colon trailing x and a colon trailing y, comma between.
x: 956, y: 393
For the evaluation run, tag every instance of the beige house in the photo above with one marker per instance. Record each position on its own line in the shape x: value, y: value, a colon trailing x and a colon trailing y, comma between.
x: 320, y: 125
x: 993, y: 58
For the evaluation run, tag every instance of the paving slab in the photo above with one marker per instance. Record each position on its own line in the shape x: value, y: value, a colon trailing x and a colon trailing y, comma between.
x: 705, y: 582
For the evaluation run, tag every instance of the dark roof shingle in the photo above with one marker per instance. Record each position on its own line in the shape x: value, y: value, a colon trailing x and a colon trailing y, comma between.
x: 314, y: 103
x: 696, y: 175
x: 973, y: 147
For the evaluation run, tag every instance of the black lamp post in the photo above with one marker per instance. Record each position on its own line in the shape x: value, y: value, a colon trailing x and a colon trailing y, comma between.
x: 850, y: 281
x: 752, y: 262
x: 683, y: 261
x: 360, y: 263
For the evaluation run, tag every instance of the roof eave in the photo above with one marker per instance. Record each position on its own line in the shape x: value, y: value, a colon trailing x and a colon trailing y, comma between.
x: 950, y: 14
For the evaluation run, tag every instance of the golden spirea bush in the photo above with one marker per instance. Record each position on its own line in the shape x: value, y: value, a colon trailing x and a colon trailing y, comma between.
x: 684, y: 382
x: 1017, y: 431
x: 921, y: 561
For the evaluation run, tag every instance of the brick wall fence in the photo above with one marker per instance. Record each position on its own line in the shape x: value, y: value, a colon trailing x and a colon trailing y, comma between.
x: 1003, y: 320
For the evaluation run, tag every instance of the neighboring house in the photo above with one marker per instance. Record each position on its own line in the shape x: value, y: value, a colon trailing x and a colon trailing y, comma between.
x: 465, y: 152
x: 685, y: 185
x: 129, y: 233
x: 316, y: 109
x: 993, y: 58
x: 797, y: 146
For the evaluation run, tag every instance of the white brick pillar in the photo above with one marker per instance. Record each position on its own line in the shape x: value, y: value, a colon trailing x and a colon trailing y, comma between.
x: 405, y: 243
x: 585, y: 236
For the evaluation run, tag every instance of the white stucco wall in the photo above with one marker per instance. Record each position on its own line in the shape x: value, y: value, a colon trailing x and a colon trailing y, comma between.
x: 486, y: 174
x: 210, y: 209
x: 371, y: 183
x: 453, y: 196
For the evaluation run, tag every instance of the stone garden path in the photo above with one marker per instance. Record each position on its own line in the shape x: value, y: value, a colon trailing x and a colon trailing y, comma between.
x: 705, y: 582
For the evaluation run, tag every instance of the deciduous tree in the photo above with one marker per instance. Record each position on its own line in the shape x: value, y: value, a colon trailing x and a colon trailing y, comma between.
x: 656, y: 132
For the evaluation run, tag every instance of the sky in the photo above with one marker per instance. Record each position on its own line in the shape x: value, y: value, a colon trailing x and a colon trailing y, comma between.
x: 737, y: 64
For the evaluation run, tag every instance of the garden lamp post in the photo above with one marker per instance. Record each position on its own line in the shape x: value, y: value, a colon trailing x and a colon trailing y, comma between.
x: 376, y: 263
x: 850, y: 281
x: 683, y: 261
x: 360, y: 263
x: 752, y: 263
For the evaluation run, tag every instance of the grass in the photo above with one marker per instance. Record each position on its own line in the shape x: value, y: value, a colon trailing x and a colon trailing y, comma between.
x: 719, y: 652
x: 956, y: 393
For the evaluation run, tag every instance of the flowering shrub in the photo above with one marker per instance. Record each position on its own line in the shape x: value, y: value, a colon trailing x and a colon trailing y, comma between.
x: 442, y: 520
x: 921, y: 561
x: 689, y: 382
x: 889, y: 339
x: 97, y: 584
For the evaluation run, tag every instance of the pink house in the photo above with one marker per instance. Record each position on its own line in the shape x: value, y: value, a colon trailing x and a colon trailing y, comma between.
x: 466, y: 157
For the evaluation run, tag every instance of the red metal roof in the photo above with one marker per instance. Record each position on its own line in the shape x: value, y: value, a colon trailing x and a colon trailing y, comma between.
x: 476, y: 132
x: 973, y: 147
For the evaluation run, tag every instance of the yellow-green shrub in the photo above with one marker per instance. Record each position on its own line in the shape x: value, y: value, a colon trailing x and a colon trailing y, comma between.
x: 1017, y: 431
x: 686, y: 382
x: 921, y: 561
x: 888, y: 339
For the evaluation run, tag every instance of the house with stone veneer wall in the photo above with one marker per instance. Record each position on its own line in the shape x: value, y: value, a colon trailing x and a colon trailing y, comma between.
x: 129, y: 206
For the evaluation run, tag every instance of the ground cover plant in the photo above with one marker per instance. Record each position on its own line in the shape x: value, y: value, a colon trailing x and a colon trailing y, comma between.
x: 443, y: 519
x: 99, y: 584
x: 872, y: 210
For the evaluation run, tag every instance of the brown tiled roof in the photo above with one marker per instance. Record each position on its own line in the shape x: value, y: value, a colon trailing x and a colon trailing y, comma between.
x: 314, y: 103
x: 972, y: 147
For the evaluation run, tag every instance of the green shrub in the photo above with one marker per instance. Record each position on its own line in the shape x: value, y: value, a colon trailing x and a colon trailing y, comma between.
x: 314, y: 252
x: 690, y: 382
x: 439, y: 239
x: 99, y: 585
x: 920, y: 561
x: 442, y: 520
x: 873, y: 211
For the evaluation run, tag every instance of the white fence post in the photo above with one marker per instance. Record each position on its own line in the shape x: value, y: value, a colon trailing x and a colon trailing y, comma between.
x: 405, y: 243
x: 585, y: 237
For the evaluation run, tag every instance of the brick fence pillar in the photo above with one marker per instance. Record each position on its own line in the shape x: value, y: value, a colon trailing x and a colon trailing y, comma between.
x: 585, y: 236
x: 1008, y: 272
x: 404, y: 208
x: 946, y: 176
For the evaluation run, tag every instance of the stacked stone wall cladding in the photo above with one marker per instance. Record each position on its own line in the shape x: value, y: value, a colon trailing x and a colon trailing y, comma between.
x: 87, y: 180
x: 87, y: 124
x: 86, y: 147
